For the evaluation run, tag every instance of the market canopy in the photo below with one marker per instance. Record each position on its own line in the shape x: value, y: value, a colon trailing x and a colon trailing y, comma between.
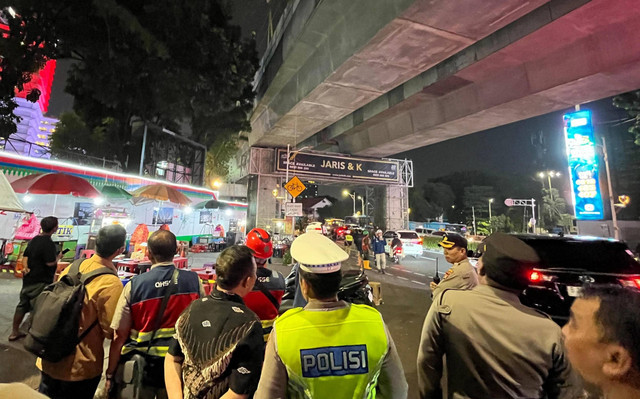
x: 114, y: 192
x: 161, y: 192
x: 8, y: 199
x: 211, y: 204
x: 55, y: 183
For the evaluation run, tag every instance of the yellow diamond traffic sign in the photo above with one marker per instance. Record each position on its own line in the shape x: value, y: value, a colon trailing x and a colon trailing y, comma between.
x: 295, y: 186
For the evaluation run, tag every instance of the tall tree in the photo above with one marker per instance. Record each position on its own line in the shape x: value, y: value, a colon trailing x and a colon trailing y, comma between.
x: 631, y: 103
x: 553, y: 208
x: 171, y: 63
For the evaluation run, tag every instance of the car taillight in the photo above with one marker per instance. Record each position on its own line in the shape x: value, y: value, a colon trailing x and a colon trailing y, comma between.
x: 633, y: 282
x: 535, y: 277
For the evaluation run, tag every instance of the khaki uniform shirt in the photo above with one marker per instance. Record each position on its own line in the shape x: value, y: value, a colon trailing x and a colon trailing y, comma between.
x: 273, y: 380
x: 495, y: 348
x: 103, y: 293
x: 461, y: 276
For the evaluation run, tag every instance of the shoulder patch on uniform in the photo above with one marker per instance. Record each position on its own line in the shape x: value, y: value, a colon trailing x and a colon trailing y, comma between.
x: 237, y: 309
x: 444, y: 309
x: 243, y: 370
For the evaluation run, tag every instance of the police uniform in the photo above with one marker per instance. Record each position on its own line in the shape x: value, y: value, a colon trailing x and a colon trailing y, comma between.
x: 495, y: 347
x: 329, y: 348
x: 462, y: 275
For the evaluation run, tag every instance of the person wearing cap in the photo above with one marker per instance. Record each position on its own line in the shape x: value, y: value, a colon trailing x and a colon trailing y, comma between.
x: 266, y: 297
x: 462, y: 275
x: 329, y: 348
x: 378, y: 250
x: 495, y: 347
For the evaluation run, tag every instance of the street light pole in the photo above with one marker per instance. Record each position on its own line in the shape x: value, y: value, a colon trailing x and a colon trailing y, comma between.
x: 353, y: 197
x: 473, y: 212
x: 490, y: 226
x: 614, y: 217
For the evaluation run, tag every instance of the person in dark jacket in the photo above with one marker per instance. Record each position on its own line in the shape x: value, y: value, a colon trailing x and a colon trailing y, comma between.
x: 378, y: 249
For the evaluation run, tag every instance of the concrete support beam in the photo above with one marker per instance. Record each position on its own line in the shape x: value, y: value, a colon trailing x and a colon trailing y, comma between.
x: 396, y: 205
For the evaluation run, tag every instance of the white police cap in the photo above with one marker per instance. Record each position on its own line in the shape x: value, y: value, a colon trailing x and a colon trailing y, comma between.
x: 317, y: 254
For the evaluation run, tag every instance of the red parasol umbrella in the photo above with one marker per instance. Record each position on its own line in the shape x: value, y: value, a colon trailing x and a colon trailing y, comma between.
x: 55, y: 183
x: 161, y: 192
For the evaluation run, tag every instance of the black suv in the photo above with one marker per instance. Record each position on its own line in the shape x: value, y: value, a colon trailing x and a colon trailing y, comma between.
x: 571, y: 262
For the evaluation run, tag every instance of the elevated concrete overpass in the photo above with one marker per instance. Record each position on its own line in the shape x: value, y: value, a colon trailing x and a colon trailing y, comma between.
x: 381, y: 77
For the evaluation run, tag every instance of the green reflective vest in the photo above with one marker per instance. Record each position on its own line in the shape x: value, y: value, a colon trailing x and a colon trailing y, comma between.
x: 332, y: 354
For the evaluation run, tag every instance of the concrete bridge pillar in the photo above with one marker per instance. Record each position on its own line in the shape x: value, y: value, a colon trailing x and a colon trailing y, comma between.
x: 396, y: 207
x: 263, y: 206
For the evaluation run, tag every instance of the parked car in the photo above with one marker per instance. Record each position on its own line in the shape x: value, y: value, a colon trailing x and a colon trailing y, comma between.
x: 423, y: 231
x: 411, y: 242
x: 568, y: 264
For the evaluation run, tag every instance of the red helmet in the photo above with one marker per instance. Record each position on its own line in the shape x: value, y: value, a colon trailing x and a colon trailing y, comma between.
x: 260, y: 243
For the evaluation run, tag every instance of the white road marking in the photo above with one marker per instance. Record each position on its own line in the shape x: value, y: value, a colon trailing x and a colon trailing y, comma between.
x: 404, y: 278
x: 418, y: 282
x: 431, y: 259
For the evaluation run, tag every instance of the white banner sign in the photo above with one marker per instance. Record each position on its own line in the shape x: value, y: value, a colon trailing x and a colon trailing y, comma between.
x: 293, y: 209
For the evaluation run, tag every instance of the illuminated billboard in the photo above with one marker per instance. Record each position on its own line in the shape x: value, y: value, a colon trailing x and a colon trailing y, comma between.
x: 583, y: 165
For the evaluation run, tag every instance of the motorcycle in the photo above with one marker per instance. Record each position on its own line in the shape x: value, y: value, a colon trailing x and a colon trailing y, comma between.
x: 398, y: 255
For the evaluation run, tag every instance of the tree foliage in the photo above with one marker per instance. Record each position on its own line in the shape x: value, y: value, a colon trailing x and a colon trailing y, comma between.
x: 631, y: 103
x: 73, y: 135
x: 171, y: 63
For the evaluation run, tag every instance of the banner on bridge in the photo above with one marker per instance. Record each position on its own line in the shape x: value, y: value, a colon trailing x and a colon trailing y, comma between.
x: 339, y: 167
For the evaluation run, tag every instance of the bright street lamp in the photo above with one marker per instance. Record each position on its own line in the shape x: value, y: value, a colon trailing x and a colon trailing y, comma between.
x: 353, y: 197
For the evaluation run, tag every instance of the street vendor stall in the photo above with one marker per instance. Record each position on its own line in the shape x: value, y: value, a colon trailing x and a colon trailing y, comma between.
x: 11, y: 211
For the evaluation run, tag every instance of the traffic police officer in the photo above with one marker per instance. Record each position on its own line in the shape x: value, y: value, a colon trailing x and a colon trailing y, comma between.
x: 462, y: 275
x: 329, y: 348
x: 495, y: 347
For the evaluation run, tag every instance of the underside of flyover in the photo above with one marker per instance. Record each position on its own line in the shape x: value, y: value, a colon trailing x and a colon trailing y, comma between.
x: 376, y: 78
x: 379, y: 78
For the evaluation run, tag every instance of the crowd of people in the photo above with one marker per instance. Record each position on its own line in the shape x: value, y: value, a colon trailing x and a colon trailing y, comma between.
x: 169, y: 340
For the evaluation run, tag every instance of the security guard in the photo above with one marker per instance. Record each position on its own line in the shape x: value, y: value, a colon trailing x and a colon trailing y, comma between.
x: 329, y: 348
x: 495, y: 347
x: 461, y: 275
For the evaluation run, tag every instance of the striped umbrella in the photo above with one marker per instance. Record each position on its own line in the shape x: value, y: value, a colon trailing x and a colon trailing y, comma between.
x: 161, y: 192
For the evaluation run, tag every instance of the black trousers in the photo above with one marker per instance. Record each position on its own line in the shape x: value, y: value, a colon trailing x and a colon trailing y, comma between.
x: 58, y: 389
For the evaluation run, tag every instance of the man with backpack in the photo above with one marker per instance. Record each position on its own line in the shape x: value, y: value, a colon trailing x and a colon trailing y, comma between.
x: 40, y: 260
x: 145, y: 318
x: 77, y: 374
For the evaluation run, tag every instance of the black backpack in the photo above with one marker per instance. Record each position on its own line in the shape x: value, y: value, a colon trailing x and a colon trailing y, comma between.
x: 53, y: 334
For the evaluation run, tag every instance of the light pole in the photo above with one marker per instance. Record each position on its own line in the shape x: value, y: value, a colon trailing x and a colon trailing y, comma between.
x: 549, y: 174
x: 490, y: 227
x: 362, y: 202
x: 614, y: 217
x: 353, y: 197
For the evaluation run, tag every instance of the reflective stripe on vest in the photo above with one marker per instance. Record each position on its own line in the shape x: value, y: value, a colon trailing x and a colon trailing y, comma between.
x: 332, y: 354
